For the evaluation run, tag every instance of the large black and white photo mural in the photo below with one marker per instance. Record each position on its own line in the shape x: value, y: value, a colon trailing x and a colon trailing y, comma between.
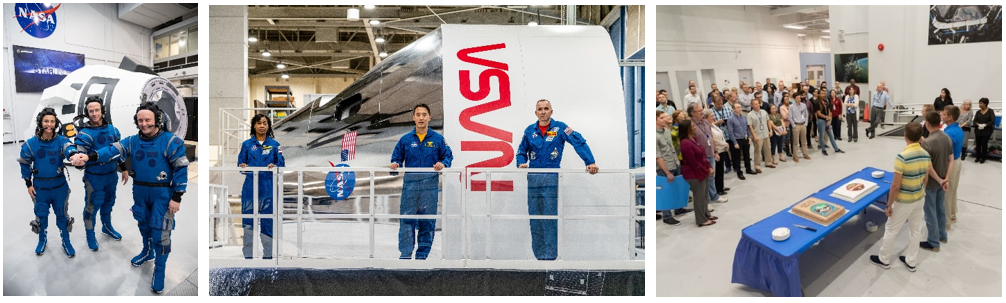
x: 951, y: 24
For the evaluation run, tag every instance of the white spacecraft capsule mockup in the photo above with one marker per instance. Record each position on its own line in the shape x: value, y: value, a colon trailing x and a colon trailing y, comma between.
x: 122, y: 89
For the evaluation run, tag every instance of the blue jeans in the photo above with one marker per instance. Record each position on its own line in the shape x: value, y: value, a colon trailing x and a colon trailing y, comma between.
x: 936, y: 216
x: 660, y: 174
x: 713, y: 194
x: 822, y: 130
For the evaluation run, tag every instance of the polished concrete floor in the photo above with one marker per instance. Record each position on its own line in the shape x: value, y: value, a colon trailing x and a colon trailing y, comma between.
x: 698, y: 262
x: 102, y: 272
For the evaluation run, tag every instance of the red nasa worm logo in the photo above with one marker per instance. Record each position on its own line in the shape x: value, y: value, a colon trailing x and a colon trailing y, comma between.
x: 504, y: 139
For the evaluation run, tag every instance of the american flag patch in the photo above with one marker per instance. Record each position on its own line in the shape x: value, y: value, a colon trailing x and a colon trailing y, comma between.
x: 348, y: 146
x: 568, y: 130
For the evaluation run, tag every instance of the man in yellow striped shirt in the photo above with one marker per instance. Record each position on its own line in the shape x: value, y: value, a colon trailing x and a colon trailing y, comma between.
x: 905, y: 200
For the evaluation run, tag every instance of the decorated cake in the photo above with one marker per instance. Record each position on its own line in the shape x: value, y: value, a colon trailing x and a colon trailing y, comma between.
x: 854, y: 190
x: 819, y: 211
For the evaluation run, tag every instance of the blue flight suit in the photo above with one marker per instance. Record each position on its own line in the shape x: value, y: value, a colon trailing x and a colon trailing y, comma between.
x: 100, y: 180
x: 419, y: 190
x: 42, y: 163
x: 260, y: 155
x: 544, y: 150
x: 160, y: 173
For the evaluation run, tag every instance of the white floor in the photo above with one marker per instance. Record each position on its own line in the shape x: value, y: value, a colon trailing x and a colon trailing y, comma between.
x: 103, y: 272
x: 698, y: 262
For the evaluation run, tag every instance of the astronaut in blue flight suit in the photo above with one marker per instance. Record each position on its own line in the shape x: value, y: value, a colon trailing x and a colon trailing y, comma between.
x: 160, y: 173
x: 42, y: 169
x: 99, y: 178
x: 258, y: 151
x: 542, y: 147
x: 421, y: 147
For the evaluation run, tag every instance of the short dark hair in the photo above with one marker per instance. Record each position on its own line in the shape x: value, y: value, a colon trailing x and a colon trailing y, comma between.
x: 662, y: 91
x: 686, y: 127
x: 933, y: 119
x: 423, y: 105
x: 913, y: 132
x: 984, y: 100
x: 952, y: 111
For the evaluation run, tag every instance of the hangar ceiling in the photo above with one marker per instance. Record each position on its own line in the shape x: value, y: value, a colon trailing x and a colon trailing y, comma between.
x: 323, y: 41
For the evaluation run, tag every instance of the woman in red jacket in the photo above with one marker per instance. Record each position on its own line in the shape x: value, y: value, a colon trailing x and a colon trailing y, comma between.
x: 696, y: 171
x: 837, y: 108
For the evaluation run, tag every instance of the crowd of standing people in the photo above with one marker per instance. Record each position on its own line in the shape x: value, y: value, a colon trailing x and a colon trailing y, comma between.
x: 715, y: 132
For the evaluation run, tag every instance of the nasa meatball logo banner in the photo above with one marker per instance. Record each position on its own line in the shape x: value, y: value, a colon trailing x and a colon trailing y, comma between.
x: 36, y: 19
x: 494, y: 75
x: 36, y: 69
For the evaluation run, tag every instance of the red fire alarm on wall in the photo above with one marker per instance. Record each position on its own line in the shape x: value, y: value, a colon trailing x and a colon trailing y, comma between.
x: 880, y: 47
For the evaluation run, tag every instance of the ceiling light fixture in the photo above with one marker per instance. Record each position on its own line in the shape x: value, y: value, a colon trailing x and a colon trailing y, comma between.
x: 794, y: 26
x: 383, y: 54
x: 532, y: 23
x: 266, y: 53
x: 375, y: 22
x: 369, y: 6
x: 281, y: 65
x: 252, y: 39
x: 353, y: 14
x: 285, y: 76
x: 379, y: 40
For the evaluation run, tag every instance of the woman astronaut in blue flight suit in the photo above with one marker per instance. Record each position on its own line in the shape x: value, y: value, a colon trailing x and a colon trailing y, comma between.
x: 42, y: 169
x: 261, y: 150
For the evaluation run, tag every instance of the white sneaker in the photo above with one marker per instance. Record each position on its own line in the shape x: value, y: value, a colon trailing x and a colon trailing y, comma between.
x: 721, y: 200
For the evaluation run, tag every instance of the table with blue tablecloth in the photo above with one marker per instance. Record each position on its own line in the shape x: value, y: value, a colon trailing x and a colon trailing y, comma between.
x: 774, y: 266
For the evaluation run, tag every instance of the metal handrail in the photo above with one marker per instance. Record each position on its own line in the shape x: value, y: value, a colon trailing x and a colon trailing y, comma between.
x: 632, y: 215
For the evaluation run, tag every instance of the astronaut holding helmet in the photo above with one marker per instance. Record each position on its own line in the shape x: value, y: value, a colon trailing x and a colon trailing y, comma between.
x: 42, y: 169
x: 160, y: 172
x: 99, y: 177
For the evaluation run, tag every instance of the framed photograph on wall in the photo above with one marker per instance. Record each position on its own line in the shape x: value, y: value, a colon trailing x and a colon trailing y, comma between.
x: 852, y: 66
x: 952, y: 24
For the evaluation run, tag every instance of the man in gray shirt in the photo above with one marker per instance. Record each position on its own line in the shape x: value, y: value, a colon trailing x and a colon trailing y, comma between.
x: 737, y: 127
x: 667, y: 158
x: 798, y: 118
x: 941, y: 152
x: 745, y: 98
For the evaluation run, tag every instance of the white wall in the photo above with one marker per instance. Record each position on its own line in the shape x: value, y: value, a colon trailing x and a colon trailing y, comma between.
x: 93, y: 30
x: 915, y: 71
x: 299, y: 86
x: 724, y: 38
